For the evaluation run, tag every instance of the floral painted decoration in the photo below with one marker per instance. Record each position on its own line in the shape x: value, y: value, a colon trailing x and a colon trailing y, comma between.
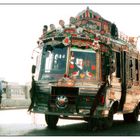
x: 66, y: 41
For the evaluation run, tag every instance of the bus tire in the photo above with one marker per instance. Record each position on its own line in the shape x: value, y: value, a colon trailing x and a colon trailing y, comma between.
x: 108, y: 121
x: 92, y: 123
x: 51, y: 121
x: 132, y: 117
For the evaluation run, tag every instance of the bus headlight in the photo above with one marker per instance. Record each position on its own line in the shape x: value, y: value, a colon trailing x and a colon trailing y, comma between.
x: 61, y: 101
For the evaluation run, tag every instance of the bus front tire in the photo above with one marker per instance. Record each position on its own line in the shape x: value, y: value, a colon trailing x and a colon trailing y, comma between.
x: 132, y: 117
x: 51, y: 121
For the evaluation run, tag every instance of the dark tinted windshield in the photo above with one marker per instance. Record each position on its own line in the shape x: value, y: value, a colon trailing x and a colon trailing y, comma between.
x: 54, y: 60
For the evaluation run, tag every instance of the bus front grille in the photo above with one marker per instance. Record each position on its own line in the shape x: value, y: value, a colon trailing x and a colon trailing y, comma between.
x: 70, y: 92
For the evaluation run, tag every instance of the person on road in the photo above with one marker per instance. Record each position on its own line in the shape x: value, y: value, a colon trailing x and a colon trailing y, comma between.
x: 1, y: 91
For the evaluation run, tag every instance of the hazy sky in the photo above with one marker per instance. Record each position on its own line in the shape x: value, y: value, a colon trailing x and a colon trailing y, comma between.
x: 21, y: 26
x: 69, y: 1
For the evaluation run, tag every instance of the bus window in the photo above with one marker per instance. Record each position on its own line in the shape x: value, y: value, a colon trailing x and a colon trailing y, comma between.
x: 131, y: 68
x: 83, y: 63
x: 136, y: 69
x: 54, y: 61
x: 118, y: 73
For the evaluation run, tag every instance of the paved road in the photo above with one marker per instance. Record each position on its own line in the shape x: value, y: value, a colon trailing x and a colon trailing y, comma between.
x: 20, y: 123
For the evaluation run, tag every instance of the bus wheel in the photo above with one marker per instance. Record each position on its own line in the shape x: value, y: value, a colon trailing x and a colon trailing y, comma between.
x: 51, y: 121
x: 108, y: 121
x: 132, y: 117
x: 92, y: 123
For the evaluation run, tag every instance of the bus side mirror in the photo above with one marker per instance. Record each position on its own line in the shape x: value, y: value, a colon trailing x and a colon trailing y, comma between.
x: 33, y: 69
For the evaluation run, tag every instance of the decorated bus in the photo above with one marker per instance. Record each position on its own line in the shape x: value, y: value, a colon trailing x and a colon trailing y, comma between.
x: 85, y: 70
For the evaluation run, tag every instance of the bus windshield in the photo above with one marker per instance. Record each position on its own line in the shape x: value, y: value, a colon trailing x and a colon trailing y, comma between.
x: 83, y: 63
x: 54, y: 61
